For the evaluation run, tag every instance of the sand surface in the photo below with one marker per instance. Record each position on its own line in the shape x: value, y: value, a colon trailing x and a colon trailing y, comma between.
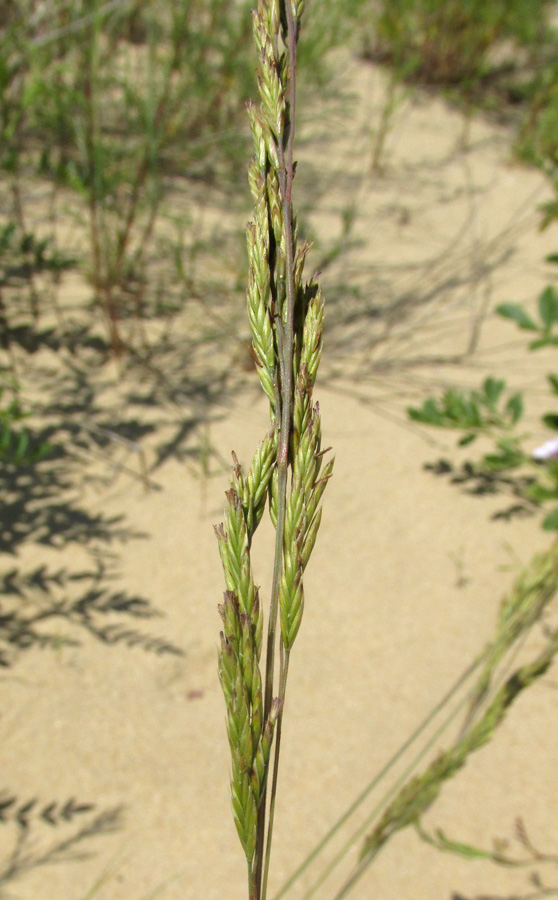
x: 402, y: 590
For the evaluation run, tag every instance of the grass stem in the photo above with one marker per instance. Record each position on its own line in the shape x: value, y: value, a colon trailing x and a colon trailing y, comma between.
x: 285, y: 325
x: 285, y: 656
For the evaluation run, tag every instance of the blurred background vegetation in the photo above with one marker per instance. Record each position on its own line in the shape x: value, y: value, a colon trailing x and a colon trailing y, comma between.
x: 117, y: 116
x: 123, y: 150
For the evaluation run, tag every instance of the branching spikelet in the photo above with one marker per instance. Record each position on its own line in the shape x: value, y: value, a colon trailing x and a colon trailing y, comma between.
x: 273, y: 499
x: 233, y: 547
x: 312, y: 335
x: 257, y: 127
x: 261, y: 470
x: 252, y: 489
x: 240, y: 678
x: 302, y: 521
x: 519, y: 609
x: 259, y: 313
x: 245, y: 812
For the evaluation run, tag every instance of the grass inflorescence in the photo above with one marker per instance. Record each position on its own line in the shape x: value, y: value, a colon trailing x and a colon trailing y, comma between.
x: 286, y: 320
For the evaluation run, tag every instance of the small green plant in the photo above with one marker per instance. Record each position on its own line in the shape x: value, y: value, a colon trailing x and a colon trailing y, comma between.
x: 112, y: 105
x: 546, y: 328
x: 450, y: 43
x: 499, y: 56
x: 492, y: 413
x: 111, y: 102
x: 536, y: 142
x: 475, y: 412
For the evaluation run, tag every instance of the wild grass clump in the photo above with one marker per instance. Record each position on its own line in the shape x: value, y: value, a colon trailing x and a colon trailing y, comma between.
x: 498, y: 56
x: 111, y: 102
x: 112, y: 105
x: 452, y: 43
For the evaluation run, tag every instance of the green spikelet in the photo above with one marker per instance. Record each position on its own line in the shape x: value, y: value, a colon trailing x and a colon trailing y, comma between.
x: 249, y: 737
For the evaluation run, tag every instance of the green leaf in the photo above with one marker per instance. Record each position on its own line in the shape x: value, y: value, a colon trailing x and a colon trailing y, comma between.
x: 466, y: 439
x: 538, y: 493
x: 493, y: 388
x: 14, y: 411
x: 551, y: 420
x: 441, y: 842
x: 548, y: 306
x: 553, y: 380
x: 6, y: 235
x: 517, y: 314
x: 515, y: 407
x: 22, y: 446
x: 461, y: 849
x: 550, y: 523
x: 5, y: 439
x: 42, y: 451
x: 509, y: 456
x: 551, y: 258
x: 428, y: 413
x: 549, y: 341
x: 550, y: 213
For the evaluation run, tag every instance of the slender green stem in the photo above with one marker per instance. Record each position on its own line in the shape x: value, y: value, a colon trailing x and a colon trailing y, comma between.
x: 359, y: 869
x: 252, y: 887
x: 505, y: 695
x: 285, y: 325
x: 270, y: 653
x: 285, y: 656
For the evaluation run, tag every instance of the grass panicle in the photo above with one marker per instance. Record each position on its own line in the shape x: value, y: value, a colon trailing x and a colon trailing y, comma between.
x: 286, y: 319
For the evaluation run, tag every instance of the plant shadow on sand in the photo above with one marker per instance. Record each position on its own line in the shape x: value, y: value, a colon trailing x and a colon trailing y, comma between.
x: 38, y: 834
x: 479, y: 482
x: 60, y: 575
x: 388, y: 317
x: 78, y: 601
x: 97, y: 427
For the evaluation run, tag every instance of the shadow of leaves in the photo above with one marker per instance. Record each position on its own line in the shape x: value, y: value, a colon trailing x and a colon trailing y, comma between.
x: 479, y: 482
x: 46, y: 608
x: 39, y: 504
x: 33, y: 823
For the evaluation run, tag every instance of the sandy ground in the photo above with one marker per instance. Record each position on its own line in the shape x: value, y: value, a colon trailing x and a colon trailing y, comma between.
x: 402, y: 590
